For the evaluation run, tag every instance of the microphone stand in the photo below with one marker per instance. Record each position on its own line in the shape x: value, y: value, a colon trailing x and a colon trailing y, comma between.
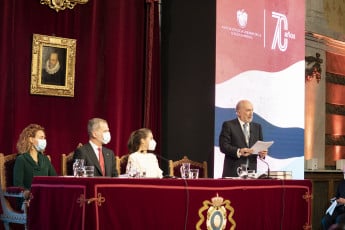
x: 264, y: 176
x: 164, y: 159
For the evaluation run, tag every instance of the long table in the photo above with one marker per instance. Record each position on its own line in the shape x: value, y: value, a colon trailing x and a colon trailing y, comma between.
x: 142, y: 203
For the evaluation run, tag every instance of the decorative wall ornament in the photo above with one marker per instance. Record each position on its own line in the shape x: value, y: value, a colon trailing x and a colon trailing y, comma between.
x: 53, y: 66
x: 313, y: 68
x: 62, y: 4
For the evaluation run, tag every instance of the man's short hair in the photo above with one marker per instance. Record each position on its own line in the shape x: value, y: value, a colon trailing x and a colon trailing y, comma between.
x: 94, y: 124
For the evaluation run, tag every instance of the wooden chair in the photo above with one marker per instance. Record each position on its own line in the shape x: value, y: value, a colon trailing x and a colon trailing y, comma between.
x: 67, y: 162
x: 174, y: 167
x: 117, y: 165
x: 121, y: 164
x: 9, y: 213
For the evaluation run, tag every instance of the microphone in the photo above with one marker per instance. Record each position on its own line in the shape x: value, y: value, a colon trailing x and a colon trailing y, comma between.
x: 164, y: 159
x: 159, y: 156
x: 264, y: 176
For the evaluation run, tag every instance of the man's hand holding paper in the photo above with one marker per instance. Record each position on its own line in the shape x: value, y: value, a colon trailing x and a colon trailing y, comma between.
x: 261, y: 148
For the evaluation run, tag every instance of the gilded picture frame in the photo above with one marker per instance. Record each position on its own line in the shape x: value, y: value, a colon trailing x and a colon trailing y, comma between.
x: 53, y: 66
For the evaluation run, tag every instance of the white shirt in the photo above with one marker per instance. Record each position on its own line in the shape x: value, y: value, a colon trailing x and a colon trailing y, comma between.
x: 145, y: 163
x: 95, y: 149
x: 242, y: 123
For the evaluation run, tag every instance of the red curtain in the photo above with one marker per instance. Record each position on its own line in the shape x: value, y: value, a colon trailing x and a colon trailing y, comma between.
x: 152, y: 98
x: 111, y: 72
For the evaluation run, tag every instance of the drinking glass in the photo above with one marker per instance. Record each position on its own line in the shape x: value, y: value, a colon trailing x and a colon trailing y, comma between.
x: 185, y: 167
x: 194, y: 173
x: 251, y: 174
x: 78, y: 168
x: 242, y: 171
x: 89, y: 171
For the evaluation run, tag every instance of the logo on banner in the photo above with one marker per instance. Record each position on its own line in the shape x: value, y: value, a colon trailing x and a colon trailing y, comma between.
x: 240, y: 31
x: 242, y: 18
x: 281, y: 33
x: 216, y: 216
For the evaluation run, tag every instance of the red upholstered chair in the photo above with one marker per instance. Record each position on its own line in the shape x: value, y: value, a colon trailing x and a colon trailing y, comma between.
x: 174, y: 167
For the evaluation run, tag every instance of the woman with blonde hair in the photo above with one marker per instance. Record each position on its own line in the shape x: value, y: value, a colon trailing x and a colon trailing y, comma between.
x: 31, y: 161
x: 145, y: 163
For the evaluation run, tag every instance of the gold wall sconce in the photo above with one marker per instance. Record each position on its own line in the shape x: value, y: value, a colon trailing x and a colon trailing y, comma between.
x: 313, y: 68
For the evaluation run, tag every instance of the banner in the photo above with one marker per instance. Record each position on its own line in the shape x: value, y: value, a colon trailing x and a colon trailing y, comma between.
x: 260, y: 57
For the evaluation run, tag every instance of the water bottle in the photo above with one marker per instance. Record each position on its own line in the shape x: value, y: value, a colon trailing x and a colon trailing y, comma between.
x: 78, y: 168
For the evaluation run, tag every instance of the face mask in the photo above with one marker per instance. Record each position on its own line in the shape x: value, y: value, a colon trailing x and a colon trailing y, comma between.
x: 152, y: 145
x: 106, y: 138
x: 41, y: 145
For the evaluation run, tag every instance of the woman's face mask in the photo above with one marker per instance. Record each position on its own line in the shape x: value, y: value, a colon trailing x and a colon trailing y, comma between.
x: 41, y: 145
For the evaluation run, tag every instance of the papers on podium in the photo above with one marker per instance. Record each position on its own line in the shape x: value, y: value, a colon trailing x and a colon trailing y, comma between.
x: 261, y: 146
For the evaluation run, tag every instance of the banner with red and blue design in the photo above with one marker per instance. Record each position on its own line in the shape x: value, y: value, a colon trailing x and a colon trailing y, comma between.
x: 260, y: 51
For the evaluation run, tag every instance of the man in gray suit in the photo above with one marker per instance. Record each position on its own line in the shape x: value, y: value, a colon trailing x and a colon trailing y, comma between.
x: 94, y: 153
x: 236, y: 138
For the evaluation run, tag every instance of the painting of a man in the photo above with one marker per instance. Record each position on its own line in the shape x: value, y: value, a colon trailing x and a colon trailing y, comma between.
x: 53, y: 67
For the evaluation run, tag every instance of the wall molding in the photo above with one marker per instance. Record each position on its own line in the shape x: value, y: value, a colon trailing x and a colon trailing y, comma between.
x: 335, y: 139
x: 335, y: 78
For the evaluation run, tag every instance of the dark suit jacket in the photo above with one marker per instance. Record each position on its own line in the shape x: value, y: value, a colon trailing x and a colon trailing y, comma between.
x: 25, y: 168
x: 231, y: 139
x: 87, y: 153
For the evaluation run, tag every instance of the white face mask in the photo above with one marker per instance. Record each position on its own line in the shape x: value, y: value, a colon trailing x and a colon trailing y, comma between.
x: 106, y: 138
x: 152, y: 145
x: 41, y: 145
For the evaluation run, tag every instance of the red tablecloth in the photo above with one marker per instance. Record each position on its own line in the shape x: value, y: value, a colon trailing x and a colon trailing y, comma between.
x: 120, y: 203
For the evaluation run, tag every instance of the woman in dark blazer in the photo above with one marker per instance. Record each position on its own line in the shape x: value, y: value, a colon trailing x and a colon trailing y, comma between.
x: 31, y: 161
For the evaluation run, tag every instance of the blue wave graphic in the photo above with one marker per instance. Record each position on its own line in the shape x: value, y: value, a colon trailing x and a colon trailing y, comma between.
x: 288, y: 142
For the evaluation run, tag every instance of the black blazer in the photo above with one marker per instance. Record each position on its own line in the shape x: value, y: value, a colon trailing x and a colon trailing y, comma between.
x: 231, y: 139
x: 87, y: 153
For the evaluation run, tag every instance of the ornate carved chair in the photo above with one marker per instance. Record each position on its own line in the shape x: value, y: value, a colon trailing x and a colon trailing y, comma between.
x: 174, y: 167
x: 117, y: 165
x: 9, y: 194
x: 121, y: 164
x: 67, y: 162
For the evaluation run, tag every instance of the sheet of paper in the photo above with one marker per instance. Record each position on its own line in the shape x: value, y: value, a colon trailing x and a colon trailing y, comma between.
x: 331, y: 208
x: 261, y: 146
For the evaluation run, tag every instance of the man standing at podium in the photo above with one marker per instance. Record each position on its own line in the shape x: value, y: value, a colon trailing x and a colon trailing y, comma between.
x: 236, y: 138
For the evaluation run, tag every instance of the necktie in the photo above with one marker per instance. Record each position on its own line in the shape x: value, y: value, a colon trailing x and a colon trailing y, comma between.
x: 101, y: 161
x: 246, y: 132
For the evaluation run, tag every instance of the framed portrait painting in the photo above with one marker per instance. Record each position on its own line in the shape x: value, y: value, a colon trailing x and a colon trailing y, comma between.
x: 53, y: 66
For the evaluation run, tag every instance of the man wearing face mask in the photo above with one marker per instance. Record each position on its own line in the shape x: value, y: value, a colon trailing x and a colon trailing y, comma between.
x: 140, y: 160
x: 94, y: 153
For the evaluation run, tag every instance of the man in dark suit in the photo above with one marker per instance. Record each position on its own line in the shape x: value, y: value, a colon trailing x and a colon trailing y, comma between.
x: 337, y: 217
x: 236, y: 138
x: 94, y: 153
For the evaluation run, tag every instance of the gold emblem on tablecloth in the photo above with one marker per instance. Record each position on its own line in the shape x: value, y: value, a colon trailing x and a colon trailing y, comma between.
x: 217, y: 216
x: 98, y: 200
x: 307, y: 196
